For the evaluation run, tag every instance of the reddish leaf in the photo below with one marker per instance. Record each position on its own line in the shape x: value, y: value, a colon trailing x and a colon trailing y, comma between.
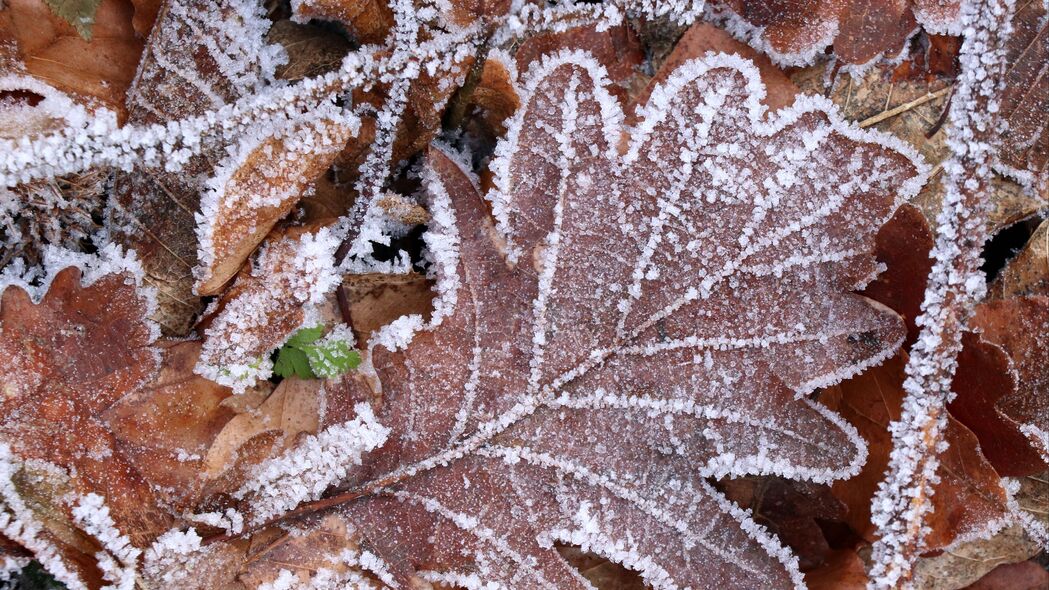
x: 969, y: 495
x: 795, y: 32
x: 70, y: 358
x: 701, y: 38
x: 167, y: 427
x: 903, y: 246
x: 1025, y: 100
x: 581, y: 386
x: 1019, y: 325
x: 984, y: 381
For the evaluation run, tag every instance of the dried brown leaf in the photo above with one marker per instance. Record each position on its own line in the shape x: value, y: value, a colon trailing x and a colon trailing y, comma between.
x: 154, y: 211
x: 167, y: 427
x: 546, y: 332
x: 71, y: 357
x: 282, y: 292
x: 1019, y: 325
x: 860, y: 31
x: 50, y: 49
x: 1025, y: 101
x: 294, y: 407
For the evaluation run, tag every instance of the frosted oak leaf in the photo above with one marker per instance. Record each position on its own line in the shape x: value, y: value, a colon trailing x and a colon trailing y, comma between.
x: 629, y: 326
x: 74, y: 348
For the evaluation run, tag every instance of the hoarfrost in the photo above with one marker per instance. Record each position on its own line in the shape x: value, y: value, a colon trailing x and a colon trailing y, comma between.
x: 955, y: 285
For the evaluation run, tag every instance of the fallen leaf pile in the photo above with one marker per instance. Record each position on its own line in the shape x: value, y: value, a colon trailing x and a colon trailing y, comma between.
x: 491, y: 294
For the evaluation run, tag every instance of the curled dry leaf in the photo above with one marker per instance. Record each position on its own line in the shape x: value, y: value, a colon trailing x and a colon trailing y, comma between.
x: 969, y: 495
x: 70, y: 357
x: 257, y: 185
x: 795, y: 32
x: 581, y: 386
x: 281, y: 292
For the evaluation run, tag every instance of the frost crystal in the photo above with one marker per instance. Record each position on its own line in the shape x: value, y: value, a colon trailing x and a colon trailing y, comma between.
x: 307, y: 470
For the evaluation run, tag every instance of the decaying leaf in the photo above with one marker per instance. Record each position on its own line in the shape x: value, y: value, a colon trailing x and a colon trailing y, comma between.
x: 1025, y: 102
x: 257, y: 185
x: 795, y: 32
x: 98, y: 70
x: 547, y: 330
x: 168, y: 427
x: 1020, y: 325
x: 282, y: 292
x: 293, y: 407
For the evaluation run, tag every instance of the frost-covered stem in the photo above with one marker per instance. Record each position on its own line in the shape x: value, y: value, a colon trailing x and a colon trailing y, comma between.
x: 955, y: 285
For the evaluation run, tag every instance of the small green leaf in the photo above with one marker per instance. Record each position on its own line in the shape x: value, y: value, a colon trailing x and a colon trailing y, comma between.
x: 307, y: 356
x: 332, y: 358
x: 292, y: 361
x: 304, y: 336
x: 78, y: 13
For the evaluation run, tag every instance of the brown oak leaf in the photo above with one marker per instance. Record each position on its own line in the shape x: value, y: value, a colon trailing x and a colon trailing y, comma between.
x: 1025, y: 100
x: 627, y: 326
x: 1020, y: 326
x: 168, y: 427
x: 71, y: 356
